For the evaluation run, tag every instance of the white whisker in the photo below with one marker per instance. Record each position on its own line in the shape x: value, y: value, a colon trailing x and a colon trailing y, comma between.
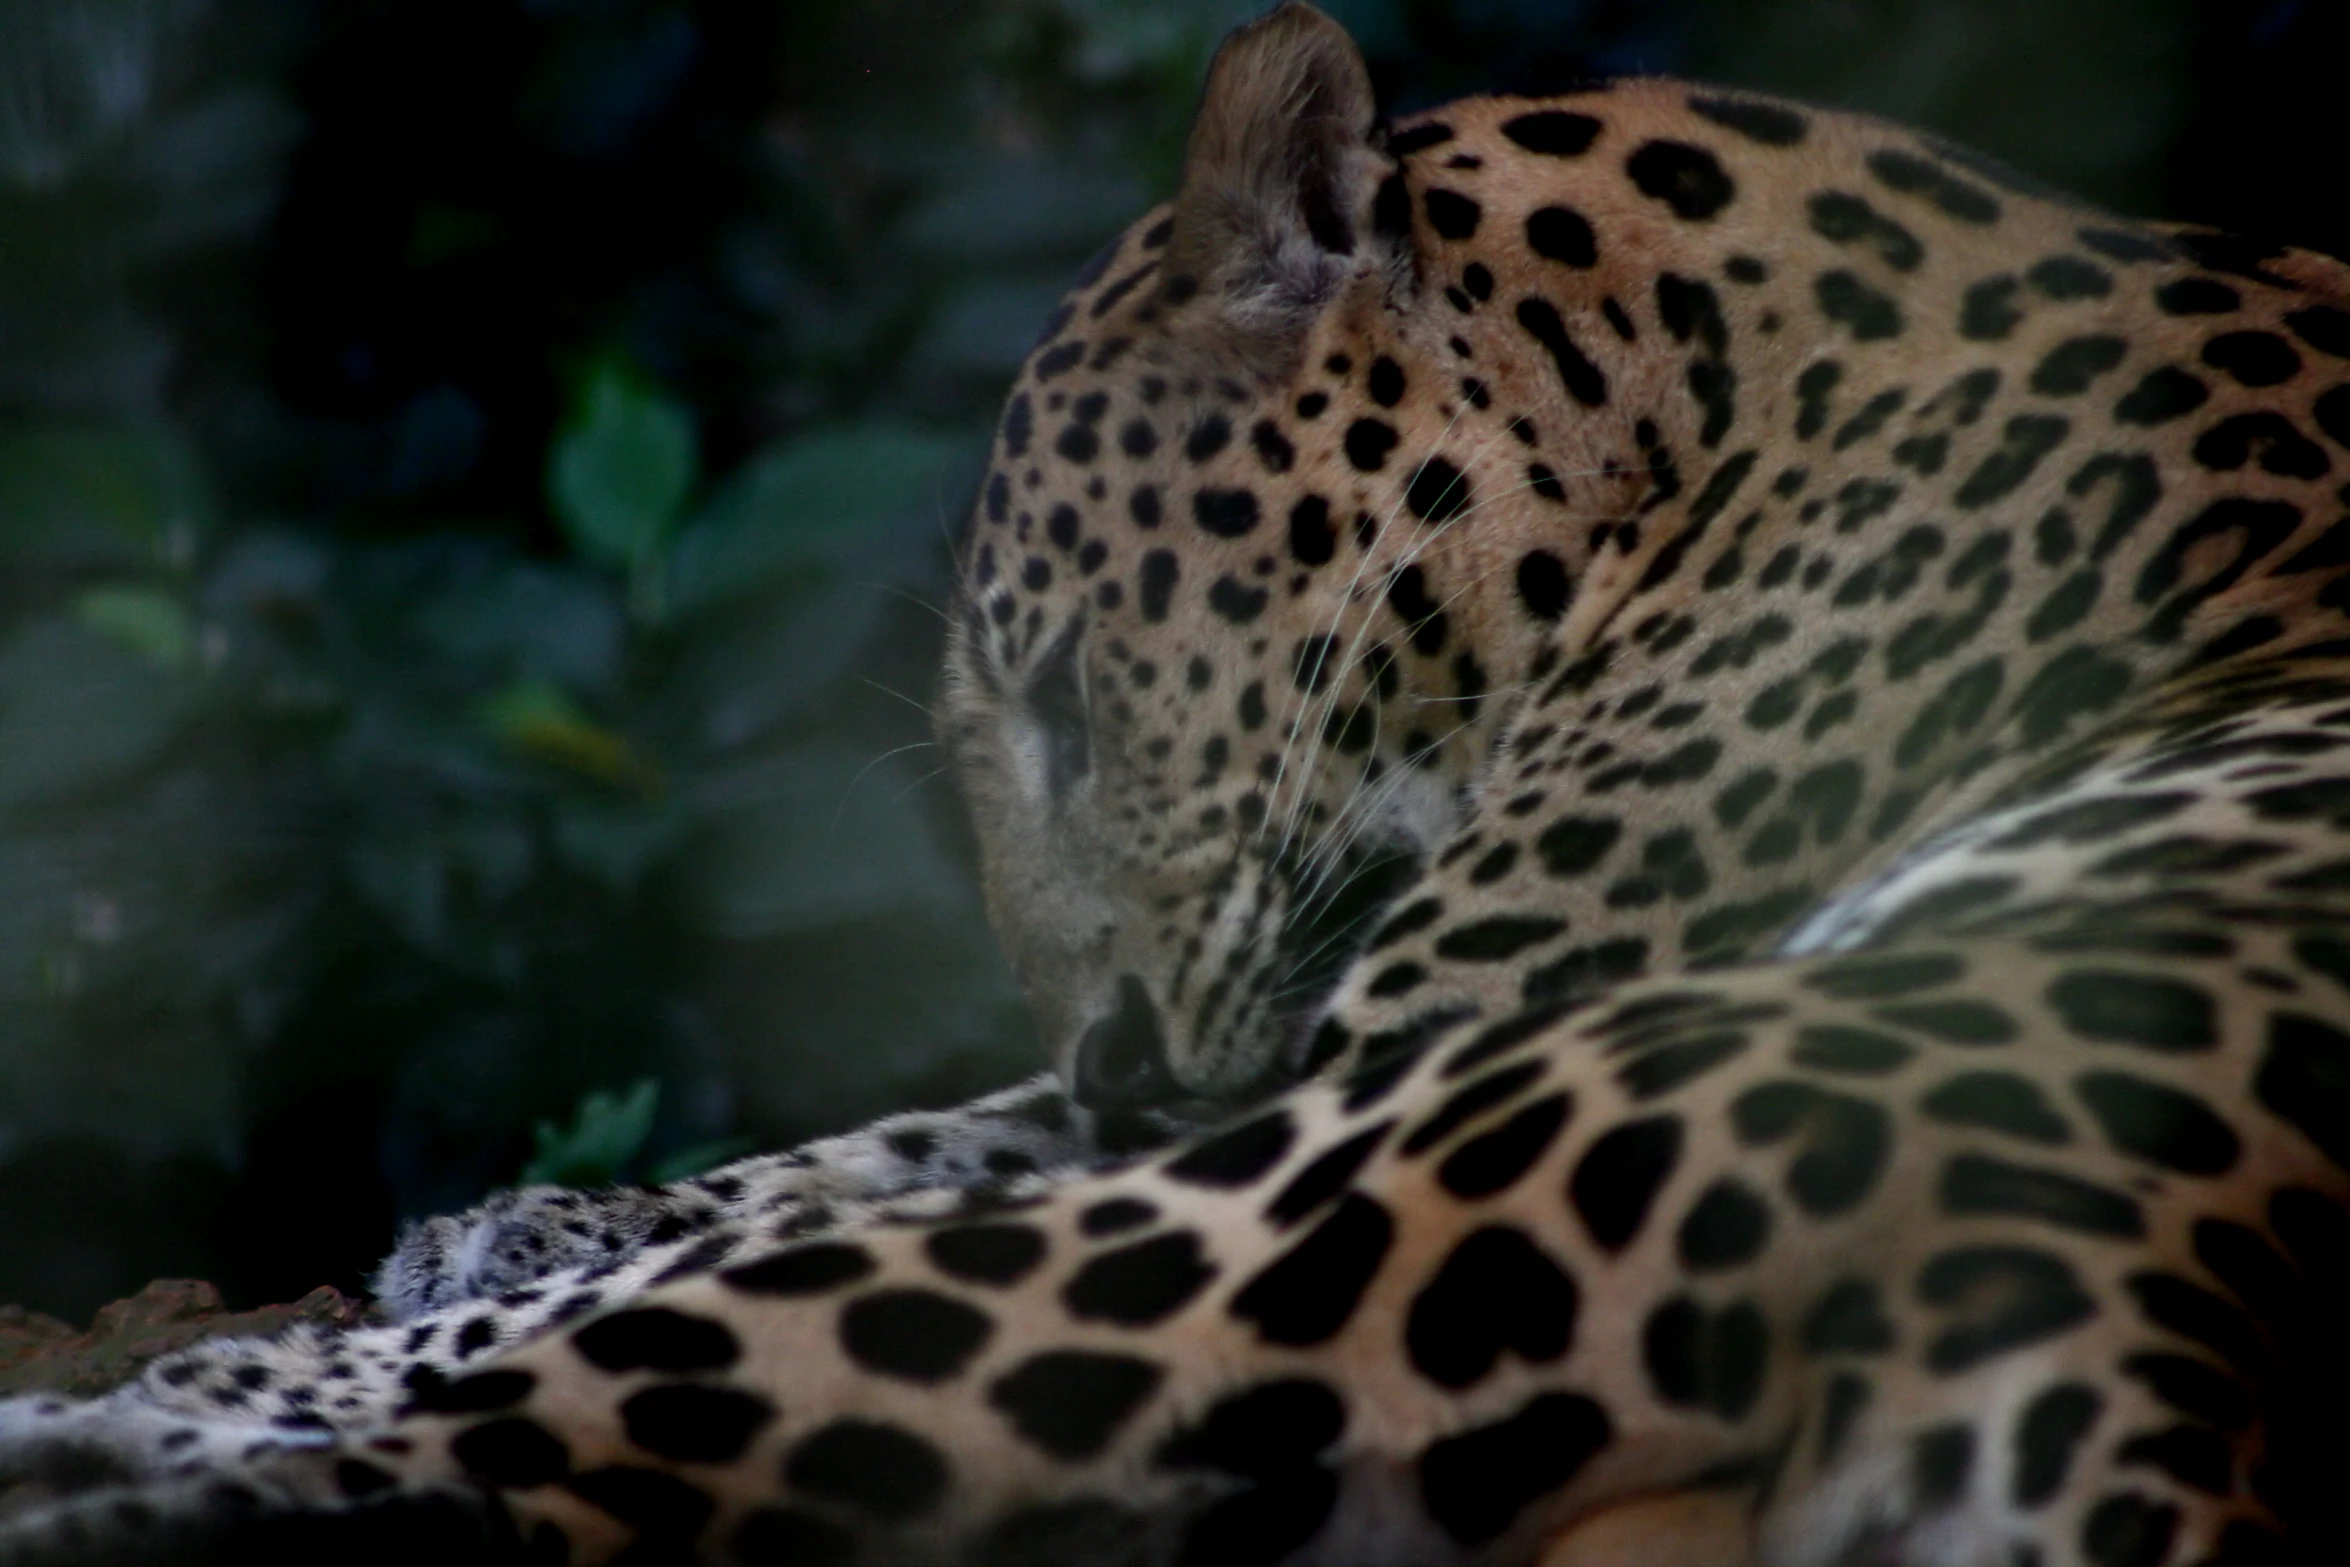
x: 1347, y: 662
x: 908, y: 595
x: 859, y: 776
x: 900, y: 796
x: 920, y: 707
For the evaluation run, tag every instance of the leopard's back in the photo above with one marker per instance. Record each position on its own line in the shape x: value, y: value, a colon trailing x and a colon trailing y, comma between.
x: 1758, y: 709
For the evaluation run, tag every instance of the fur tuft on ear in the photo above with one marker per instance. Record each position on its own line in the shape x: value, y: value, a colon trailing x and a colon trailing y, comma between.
x: 1278, y: 178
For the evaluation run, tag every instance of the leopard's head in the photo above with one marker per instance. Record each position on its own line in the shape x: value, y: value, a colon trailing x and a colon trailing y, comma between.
x: 1230, y: 638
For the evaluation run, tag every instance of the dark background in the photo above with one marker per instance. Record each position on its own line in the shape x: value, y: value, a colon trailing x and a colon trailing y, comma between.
x: 475, y: 487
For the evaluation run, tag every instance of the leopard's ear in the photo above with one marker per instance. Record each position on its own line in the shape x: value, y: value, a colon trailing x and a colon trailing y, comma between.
x: 1279, y: 179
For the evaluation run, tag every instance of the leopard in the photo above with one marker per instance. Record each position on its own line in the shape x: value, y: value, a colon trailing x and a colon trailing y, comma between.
x: 1671, y: 767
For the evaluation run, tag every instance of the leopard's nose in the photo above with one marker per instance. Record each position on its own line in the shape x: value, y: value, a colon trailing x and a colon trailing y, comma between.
x: 1122, y: 1060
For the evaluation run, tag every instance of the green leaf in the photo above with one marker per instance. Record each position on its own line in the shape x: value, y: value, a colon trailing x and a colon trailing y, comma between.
x: 692, y: 1161
x: 443, y: 883
x: 1123, y: 37
x: 616, y: 840
x: 405, y: 878
x: 145, y: 620
x: 990, y: 210
x: 621, y: 469
x: 606, y: 1133
x: 558, y: 623
x: 146, y: 1091
x: 540, y: 720
x: 128, y: 496
x: 1378, y: 27
x: 78, y: 709
x: 815, y: 507
x: 741, y: 676
x: 492, y: 849
x: 987, y: 327
x: 816, y: 835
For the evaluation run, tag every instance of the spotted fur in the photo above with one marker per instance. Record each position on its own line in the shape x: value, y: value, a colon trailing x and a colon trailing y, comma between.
x: 1755, y: 705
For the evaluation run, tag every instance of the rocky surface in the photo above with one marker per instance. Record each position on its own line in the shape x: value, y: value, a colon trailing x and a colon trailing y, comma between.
x: 41, y: 1354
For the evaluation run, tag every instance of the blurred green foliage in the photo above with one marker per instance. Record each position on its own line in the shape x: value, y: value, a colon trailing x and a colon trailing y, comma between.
x: 606, y: 1133
x: 619, y: 473
x: 605, y: 1140
x: 475, y: 478
x: 472, y: 516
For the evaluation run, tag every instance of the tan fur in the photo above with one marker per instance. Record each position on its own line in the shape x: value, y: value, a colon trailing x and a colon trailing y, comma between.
x: 1278, y: 145
x: 1842, y: 661
x: 1697, y: 1529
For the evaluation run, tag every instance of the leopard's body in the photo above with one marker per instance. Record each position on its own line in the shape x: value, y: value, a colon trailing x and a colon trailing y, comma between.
x: 1760, y: 710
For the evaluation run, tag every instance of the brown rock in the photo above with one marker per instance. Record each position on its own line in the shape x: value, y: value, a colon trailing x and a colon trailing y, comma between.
x: 39, y: 1354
